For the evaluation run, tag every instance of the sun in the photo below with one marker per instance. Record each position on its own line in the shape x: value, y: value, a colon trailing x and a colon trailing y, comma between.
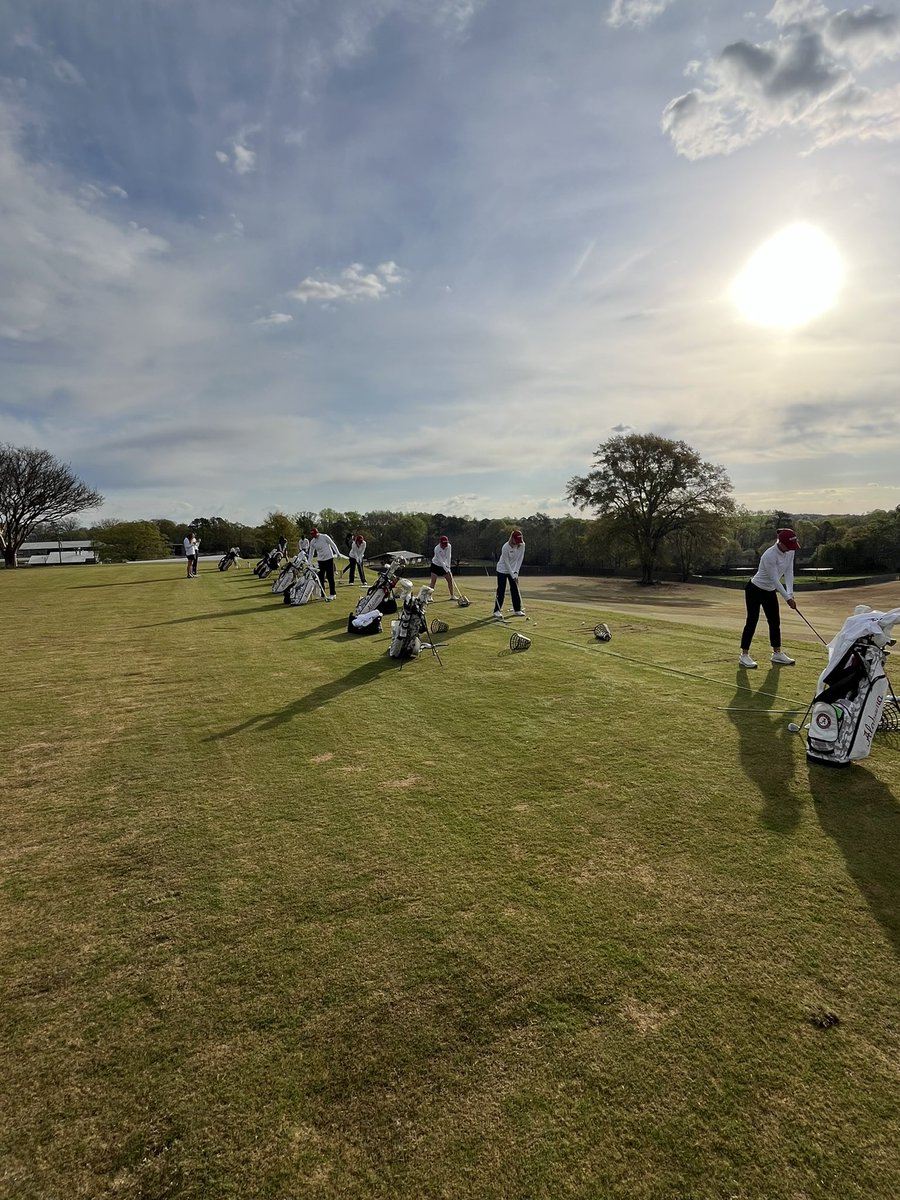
x: 791, y: 279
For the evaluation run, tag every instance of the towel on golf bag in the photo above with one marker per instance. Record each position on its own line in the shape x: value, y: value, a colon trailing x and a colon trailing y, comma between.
x: 367, y: 623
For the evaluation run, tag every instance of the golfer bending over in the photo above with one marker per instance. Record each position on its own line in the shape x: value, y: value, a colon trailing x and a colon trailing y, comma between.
x: 321, y: 545
x: 508, y: 567
x: 441, y: 561
x: 762, y: 593
x: 357, y: 556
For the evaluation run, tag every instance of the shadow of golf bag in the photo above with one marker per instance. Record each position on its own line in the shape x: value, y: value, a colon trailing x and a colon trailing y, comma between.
x: 410, y: 624
x: 849, y: 704
x: 268, y: 563
x: 381, y: 594
x: 229, y: 558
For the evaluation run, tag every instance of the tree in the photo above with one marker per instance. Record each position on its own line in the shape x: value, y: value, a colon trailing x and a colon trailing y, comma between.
x: 36, y: 488
x: 130, y: 541
x: 277, y: 524
x: 651, y: 486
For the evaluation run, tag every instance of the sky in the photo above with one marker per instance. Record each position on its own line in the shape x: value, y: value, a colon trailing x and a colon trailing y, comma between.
x: 426, y: 255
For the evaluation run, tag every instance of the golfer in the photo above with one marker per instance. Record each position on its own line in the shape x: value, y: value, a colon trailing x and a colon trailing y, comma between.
x: 762, y: 592
x: 324, y: 549
x: 508, y: 567
x: 441, y: 561
x: 191, y: 549
x: 357, y: 554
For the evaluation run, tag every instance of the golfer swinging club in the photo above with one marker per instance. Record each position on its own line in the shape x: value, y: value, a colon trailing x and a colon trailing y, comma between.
x: 762, y: 593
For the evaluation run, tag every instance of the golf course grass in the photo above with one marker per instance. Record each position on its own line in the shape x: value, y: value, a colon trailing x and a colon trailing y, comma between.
x: 282, y: 920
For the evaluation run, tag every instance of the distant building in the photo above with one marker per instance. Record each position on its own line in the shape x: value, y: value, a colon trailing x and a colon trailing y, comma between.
x: 58, y: 553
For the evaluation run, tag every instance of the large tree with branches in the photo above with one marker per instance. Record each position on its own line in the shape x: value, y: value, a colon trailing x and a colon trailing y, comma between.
x: 651, y: 487
x: 36, y: 489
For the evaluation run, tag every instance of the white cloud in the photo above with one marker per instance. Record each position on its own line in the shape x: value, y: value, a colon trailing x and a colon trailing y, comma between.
x: 354, y: 283
x: 805, y: 78
x: 242, y: 159
x: 55, y: 249
x: 635, y: 12
x: 275, y: 318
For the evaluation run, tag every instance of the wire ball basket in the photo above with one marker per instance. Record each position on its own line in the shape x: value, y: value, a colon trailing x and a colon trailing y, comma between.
x: 439, y: 626
x: 890, y: 716
x: 602, y: 633
x: 518, y: 641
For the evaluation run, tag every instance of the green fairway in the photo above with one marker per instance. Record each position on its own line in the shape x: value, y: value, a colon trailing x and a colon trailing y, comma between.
x: 283, y: 920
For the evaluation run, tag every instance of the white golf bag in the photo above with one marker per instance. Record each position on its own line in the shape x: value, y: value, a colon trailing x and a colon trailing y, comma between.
x: 406, y: 631
x: 381, y: 594
x: 853, y: 691
x: 305, y: 586
x: 289, y: 574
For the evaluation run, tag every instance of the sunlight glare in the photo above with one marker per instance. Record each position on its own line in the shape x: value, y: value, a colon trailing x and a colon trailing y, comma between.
x: 790, y: 280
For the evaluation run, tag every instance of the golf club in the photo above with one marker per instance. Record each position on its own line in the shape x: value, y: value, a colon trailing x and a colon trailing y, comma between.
x: 815, y: 631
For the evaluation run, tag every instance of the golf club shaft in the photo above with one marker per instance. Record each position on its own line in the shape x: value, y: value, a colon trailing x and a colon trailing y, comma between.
x: 815, y: 631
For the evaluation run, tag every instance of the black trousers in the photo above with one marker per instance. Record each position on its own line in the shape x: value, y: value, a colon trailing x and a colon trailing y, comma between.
x: 758, y: 599
x: 357, y: 565
x: 326, y: 571
x: 502, y: 580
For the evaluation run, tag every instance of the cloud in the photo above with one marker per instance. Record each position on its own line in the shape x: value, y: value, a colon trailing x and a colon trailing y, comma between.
x: 242, y: 159
x: 354, y: 283
x: 805, y: 78
x: 635, y: 12
x: 275, y: 318
x: 54, y: 249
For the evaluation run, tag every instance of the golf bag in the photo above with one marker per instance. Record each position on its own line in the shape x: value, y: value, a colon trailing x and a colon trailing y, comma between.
x: 289, y: 574
x: 410, y: 624
x: 381, y: 594
x: 229, y: 558
x: 853, y: 691
x: 305, y: 586
x: 268, y: 563
x: 366, y: 625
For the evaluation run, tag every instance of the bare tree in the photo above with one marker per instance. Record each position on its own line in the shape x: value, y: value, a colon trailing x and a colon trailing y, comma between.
x: 36, y: 488
x: 651, y: 487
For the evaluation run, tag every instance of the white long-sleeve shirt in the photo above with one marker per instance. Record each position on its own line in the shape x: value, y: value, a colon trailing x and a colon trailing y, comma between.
x: 322, y: 547
x: 511, y: 559
x: 358, y: 550
x: 443, y: 556
x: 774, y: 563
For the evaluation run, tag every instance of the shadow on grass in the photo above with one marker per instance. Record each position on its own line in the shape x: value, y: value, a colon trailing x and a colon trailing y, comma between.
x: 862, y: 816
x: 130, y: 582
x: 766, y: 753
x: 315, y: 699
x: 212, y: 616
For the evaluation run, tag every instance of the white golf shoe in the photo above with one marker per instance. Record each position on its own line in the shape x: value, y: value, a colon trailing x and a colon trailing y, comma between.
x: 746, y: 661
x: 782, y: 659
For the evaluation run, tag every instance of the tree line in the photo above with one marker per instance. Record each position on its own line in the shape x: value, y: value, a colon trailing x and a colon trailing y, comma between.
x: 656, y: 508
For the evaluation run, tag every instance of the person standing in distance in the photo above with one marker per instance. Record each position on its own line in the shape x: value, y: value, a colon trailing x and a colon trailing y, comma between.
x: 762, y: 592
x: 191, y: 549
x: 441, y: 562
x: 357, y: 554
x: 324, y: 549
x: 508, y: 567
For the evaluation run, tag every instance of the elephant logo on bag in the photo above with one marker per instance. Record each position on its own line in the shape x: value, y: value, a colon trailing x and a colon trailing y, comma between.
x: 823, y: 721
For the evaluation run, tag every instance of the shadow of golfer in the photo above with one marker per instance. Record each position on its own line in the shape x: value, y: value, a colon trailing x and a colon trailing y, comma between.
x: 766, y: 750
x: 324, y: 694
x: 862, y: 816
